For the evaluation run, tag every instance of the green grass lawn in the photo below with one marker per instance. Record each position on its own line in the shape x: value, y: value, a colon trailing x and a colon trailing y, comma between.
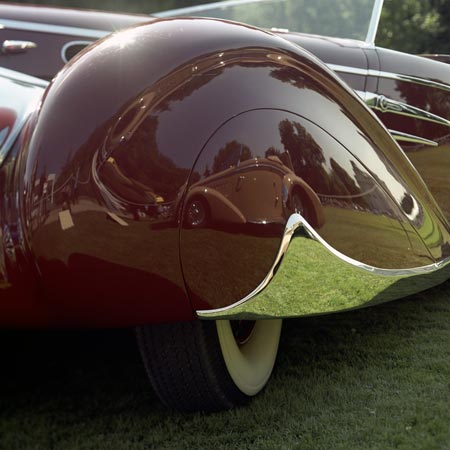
x: 377, y: 378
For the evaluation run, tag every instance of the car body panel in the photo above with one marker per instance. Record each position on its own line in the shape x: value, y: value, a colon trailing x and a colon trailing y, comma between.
x: 99, y: 196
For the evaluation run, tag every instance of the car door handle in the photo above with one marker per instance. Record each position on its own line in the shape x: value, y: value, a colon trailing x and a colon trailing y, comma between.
x: 11, y: 47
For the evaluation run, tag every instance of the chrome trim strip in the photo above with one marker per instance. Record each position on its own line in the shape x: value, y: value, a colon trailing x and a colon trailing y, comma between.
x: 348, y: 69
x: 70, y: 44
x: 374, y: 21
x: 262, y: 302
x: 55, y: 29
x: 193, y: 10
x: 291, y: 226
x: 389, y: 75
x: 385, y: 104
x: 22, y: 78
x: 405, y: 137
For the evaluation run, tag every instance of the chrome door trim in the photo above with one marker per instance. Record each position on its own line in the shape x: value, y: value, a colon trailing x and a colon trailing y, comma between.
x: 22, y: 78
x: 405, y: 137
x: 389, y: 75
x: 54, y: 29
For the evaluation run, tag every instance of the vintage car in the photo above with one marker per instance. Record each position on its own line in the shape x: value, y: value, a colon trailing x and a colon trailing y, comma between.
x: 202, y: 179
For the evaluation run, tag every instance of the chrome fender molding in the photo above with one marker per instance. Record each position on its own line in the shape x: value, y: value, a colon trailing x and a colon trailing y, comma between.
x: 311, y: 277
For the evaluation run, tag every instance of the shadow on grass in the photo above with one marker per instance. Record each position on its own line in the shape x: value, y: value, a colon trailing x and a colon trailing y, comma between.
x: 377, y: 376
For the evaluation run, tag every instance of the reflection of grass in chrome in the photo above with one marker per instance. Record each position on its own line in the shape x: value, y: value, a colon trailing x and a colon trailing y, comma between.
x: 313, y: 281
x: 225, y: 266
x: 373, y: 239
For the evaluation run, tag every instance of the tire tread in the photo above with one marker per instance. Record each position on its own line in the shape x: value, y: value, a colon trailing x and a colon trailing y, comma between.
x: 193, y: 349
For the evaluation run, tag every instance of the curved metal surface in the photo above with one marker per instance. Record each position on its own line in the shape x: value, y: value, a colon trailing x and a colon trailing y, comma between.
x: 311, y: 277
x: 98, y: 195
x: 101, y: 189
x: 269, y: 163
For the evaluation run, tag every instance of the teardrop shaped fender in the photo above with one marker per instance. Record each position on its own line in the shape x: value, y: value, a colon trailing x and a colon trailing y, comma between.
x: 135, y: 121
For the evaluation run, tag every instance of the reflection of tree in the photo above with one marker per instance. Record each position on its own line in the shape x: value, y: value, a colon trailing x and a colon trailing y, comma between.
x: 272, y: 151
x: 341, y: 181
x: 332, y: 182
x: 230, y: 155
x: 291, y: 76
x: 307, y: 157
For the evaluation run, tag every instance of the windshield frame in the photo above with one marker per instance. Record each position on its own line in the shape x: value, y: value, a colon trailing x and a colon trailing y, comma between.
x: 197, y: 10
x: 374, y: 22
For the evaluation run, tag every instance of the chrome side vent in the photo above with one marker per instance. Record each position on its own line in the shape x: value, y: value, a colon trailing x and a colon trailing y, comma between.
x: 384, y: 104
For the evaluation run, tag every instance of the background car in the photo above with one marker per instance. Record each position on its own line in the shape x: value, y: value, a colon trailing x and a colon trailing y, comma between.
x: 110, y: 159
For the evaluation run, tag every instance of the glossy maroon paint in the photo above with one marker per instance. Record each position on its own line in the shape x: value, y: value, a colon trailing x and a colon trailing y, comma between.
x: 343, y: 52
x: 107, y: 169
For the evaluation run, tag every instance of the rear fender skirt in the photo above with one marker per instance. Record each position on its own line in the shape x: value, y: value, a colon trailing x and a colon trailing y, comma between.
x: 103, y: 191
x: 311, y: 277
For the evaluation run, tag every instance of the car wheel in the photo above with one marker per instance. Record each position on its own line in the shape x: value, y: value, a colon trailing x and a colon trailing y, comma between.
x: 206, y: 365
x: 197, y: 213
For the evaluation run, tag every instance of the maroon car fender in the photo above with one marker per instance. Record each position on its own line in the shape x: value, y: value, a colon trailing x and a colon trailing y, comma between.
x: 145, y: 113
